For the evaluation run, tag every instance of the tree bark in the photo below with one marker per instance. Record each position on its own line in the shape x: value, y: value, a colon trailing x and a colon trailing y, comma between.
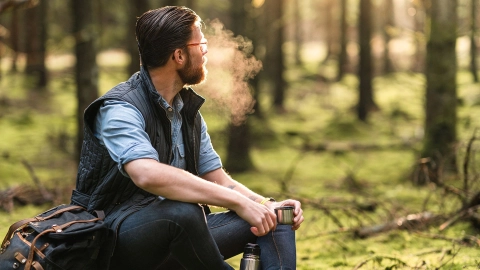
x: 441, y: 95
x: 387, y: 29
x: 420, y: 17
x: 15, y: 38
x: 366, y: 102
x: 329, y: 28
x: 164, y: 3
x: 275, y: 58
x: 473, y: 44
x: 342, y: 57
x: 36, y: 29
x: 137, y: 8
x: 191, y: 4
x: 86, y: 69
x: 238, y: 145
x: 297, y: 22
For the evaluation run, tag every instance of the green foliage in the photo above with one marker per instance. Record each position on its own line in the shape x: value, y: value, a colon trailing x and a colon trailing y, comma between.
x: 308, y: 152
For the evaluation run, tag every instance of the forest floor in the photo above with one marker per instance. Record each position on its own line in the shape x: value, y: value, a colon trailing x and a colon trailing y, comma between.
x: 352, y: 177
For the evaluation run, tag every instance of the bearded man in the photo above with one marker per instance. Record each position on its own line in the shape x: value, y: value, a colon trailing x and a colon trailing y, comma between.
x: 148, y: 162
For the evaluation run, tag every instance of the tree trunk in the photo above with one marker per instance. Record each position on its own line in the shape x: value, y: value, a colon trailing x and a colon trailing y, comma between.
x: 191, y: 4
x: 15, y: 38
x: 137, y: 8
x: 35, y: 46
x: 275, y: 58
x: 238, y: 145
x: 387, y: 30
x: 239, y: 15
x: 256, y: 29
x: 164, y: 3
x: 473, y: 44
x: 419, y: 18
x: 297, y: 22
x: 441, y: 96
x: 365, y: 68
x: 329, y: 29
x: 86, y: 69
x: 342, y: 57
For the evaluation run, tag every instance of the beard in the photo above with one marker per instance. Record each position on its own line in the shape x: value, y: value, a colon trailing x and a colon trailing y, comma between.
x: 191, y: 75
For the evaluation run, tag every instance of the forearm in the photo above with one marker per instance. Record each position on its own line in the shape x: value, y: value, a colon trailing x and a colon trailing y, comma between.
x: 176, y: 184
x: 242, y: 189
x: 220, y: 177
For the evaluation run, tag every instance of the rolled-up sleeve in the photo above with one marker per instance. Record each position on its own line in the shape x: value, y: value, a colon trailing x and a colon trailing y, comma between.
x: 121, y: 128
x: 209, y: 160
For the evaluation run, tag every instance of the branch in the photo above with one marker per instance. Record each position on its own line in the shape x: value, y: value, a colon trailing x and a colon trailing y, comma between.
x: 290, y: 171
x: 5, y: 5
x: 378, y: 258
x: 465, y: 240
x: 410, y: 222
x: 458, y: 216
x: 465, y: 165
x: 43, y: 191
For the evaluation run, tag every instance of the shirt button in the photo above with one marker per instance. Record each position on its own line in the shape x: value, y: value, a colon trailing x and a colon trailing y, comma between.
x: 170, y: 109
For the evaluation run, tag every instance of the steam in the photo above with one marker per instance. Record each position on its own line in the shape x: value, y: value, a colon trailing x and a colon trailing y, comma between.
x: 230, y: 65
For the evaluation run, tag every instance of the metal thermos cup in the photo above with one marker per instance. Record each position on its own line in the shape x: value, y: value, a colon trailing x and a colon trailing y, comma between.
x: 251, y: 257
x: 284, y: 214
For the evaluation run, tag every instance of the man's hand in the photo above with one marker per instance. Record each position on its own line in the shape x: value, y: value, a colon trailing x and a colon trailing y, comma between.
x: 261, y: 217
x: 297, y: 211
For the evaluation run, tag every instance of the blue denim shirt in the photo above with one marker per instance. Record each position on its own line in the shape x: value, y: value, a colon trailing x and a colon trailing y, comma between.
x: 121, y: 128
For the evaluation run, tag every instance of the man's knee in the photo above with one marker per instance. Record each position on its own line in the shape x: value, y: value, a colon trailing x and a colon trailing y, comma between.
x: 184, y: 213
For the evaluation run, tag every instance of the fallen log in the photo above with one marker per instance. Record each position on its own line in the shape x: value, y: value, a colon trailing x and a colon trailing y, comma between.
x: 410, y: 222
x: 23, y: 195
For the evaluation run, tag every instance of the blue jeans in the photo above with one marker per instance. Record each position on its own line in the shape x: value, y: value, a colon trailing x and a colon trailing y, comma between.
x: 176, y: 235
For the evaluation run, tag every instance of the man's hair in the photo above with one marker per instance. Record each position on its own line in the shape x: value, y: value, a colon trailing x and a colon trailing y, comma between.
x: 161, y: 31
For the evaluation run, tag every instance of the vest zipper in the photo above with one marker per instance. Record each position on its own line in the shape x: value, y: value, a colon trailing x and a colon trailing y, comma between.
x: 170, y: 154
x: 194, y: 145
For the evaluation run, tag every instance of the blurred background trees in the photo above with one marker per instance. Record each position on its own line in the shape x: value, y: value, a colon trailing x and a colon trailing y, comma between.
x: 86, y: 70
x: 362, y: 38
x: 355, y: 103
x: 441, y: 95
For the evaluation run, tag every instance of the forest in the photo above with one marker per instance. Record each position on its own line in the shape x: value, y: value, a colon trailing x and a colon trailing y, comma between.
x: 366, y: 111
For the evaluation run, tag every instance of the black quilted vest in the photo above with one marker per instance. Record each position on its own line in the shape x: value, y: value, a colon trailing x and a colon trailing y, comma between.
x: 100, y: 185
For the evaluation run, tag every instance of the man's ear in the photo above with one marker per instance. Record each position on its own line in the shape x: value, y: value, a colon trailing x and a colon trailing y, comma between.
x: 178, y: 56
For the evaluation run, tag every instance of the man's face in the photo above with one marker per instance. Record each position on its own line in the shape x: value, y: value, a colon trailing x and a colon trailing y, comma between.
x: 195, y: 71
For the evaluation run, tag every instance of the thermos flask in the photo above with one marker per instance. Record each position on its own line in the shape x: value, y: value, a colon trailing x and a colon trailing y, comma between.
x: 251, y: 257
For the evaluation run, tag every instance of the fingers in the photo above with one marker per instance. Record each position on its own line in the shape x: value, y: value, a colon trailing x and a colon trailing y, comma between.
x: 298, y: 215
x: 265, y: 224
x: 296, y: 224
x: 297, y: 212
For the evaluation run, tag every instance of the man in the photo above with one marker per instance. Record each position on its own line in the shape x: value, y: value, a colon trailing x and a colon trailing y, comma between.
x: 148, y: 162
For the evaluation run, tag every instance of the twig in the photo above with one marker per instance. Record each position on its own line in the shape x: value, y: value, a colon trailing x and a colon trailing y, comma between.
x: 290, y: 171
x: 45, y: 194
x: 457, y: 217
x: 467, y: 239
x: 339, y: 231
x: 452, y: 220
x: 437, y: 250
x: 453, y: 257
x: 379, y: 258
x: 16, y: 3
x: 465, y: 166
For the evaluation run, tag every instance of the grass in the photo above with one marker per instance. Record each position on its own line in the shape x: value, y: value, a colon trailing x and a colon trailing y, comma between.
x: 40, y: 130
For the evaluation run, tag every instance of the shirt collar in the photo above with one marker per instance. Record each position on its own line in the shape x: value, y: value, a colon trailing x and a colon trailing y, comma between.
x: 177, y: 100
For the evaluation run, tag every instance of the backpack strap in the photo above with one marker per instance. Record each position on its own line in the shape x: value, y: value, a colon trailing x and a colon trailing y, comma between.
x: 15, y: 226
x: 55, y: 228
x: 36, y: 265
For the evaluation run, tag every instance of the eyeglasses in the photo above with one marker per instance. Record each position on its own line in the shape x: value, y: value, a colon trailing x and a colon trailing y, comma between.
x: 203, y: 46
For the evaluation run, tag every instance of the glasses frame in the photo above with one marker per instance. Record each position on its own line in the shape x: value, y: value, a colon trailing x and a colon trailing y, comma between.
x: 203, y: 45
